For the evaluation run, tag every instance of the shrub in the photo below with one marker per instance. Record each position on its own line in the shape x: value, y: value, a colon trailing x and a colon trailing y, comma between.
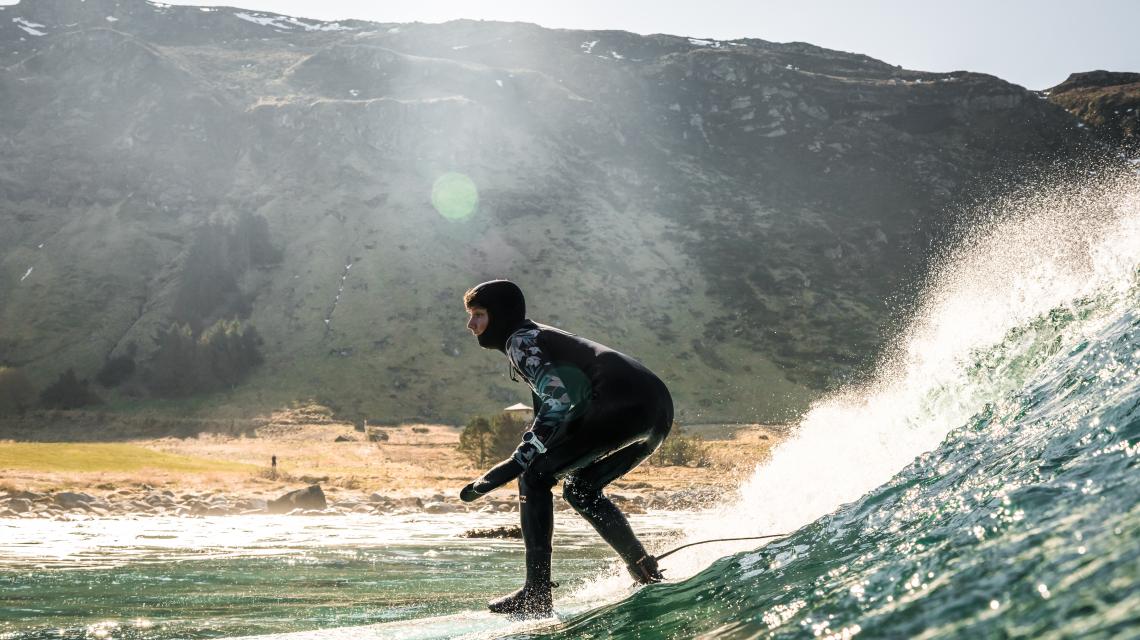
x: 485, y: 441
x: 16, y: 393
x: 68, y: 392
x: 506, y: 429
x: 681, y: 450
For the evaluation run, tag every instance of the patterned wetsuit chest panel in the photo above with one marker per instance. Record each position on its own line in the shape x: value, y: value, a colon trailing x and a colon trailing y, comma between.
x: 537, y: 369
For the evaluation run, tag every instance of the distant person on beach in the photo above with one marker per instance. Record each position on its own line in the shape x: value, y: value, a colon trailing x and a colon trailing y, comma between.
x: 597, y: 414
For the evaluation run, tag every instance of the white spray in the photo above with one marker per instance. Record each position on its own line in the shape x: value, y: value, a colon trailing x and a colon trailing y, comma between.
x: 1040, y: 251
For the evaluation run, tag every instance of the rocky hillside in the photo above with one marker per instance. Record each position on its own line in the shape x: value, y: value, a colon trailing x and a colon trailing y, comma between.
x: 1106, y: 101
x: 742, y: 216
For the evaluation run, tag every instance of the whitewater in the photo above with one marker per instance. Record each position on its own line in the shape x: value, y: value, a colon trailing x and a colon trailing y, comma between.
x: 982, y: 483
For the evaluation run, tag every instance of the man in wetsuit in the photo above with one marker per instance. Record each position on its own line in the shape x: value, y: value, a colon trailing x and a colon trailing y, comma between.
x: 597, y: 414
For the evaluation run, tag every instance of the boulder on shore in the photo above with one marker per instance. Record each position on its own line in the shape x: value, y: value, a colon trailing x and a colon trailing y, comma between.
x: 309, y: 498
x: 72, y: 500
x: 441, y: 507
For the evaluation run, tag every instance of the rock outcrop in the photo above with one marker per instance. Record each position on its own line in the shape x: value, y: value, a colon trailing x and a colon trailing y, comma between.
x: 1106, y: 101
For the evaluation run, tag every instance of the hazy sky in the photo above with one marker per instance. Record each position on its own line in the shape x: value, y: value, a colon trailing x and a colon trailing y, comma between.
x: 1032, y: 43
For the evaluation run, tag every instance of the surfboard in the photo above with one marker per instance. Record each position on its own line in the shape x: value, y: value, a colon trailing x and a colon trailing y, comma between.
x: 467, y: 625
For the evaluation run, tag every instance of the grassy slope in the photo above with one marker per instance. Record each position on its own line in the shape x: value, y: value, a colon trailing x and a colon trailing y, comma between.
x: 61, y: 457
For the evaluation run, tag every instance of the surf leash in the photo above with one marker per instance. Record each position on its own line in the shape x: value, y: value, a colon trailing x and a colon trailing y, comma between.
x: 693, y: 544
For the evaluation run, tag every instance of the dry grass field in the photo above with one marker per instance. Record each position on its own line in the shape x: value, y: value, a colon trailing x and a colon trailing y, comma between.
x: 410, y: 459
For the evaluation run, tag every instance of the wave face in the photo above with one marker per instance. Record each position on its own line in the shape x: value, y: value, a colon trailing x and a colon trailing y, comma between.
x: 986, y: 483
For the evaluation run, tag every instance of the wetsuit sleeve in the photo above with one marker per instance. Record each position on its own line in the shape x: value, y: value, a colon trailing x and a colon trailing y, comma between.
x: 535, y: 402
x: 551, y: 399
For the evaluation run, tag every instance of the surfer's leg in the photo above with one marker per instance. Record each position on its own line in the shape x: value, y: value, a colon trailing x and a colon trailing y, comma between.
x: 583, y: 491
x: 644, y: 427
x: 536, y: 511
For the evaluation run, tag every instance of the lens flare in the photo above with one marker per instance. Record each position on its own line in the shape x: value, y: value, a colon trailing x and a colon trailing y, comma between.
x: 454, y: 196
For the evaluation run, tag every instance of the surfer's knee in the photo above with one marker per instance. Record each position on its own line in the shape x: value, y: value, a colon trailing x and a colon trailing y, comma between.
x: 579, y: 495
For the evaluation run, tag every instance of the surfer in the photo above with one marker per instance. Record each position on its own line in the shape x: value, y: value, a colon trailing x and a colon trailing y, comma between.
x: 597, y: 414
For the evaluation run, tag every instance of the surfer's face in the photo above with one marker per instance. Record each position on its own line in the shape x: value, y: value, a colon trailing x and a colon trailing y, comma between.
x: 477, y: 320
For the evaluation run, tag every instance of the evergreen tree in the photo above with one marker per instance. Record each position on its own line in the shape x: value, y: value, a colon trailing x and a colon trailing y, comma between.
x: 219, y: 358
x: 475, y: 440
x: 68, y: 392
x: 16, y: 392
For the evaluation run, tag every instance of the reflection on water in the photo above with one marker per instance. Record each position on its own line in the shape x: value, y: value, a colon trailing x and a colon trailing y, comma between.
x: 242, y: 575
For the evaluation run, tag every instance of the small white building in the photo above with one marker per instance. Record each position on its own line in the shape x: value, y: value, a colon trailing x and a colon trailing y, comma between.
x: 521, y: 409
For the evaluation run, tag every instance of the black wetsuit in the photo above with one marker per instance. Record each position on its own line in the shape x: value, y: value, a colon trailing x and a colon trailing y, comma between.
x: 598, y: 414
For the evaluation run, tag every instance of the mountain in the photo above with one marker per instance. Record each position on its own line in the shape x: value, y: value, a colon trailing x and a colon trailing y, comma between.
x: 748, y: 218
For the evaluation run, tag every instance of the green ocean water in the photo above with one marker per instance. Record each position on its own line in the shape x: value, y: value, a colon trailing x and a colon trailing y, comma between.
x: 1023, y: 523
x: 239, y: 576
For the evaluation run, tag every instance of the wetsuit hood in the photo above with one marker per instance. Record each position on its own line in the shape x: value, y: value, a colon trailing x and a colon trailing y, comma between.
x: 506, y: 311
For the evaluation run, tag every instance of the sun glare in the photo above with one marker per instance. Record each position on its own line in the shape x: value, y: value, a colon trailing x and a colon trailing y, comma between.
x: 454, y: 196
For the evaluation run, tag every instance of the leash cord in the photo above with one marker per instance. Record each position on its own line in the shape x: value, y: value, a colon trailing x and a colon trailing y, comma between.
x: 693, y: 544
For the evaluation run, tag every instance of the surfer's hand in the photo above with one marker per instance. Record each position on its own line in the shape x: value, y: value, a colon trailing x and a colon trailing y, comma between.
x: 495, y: 477
x: 468, y: 493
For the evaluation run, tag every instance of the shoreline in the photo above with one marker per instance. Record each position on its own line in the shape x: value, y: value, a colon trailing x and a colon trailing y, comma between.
x: 414, y: 468
x: 143, y: 502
